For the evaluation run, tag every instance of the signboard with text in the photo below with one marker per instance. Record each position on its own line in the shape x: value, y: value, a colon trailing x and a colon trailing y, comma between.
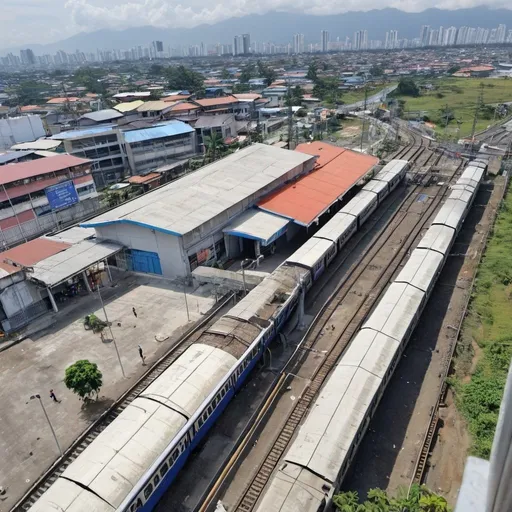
x: 61, y: 195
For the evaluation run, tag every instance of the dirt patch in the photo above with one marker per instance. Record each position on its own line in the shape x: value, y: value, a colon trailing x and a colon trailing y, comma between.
x: 449, y: 456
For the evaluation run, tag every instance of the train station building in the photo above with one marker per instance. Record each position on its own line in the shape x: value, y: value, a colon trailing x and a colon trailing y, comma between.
x: 237, y: 206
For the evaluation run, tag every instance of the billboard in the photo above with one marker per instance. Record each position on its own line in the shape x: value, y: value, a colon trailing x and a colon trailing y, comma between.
x: 61, y: 195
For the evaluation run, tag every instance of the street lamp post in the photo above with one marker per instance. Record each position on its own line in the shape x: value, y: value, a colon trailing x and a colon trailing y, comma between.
x: 110, y: 329
x: 38, y: 397
x: 248, y: 262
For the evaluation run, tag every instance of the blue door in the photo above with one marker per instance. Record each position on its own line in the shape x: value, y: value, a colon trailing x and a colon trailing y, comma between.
x: 145, y: 261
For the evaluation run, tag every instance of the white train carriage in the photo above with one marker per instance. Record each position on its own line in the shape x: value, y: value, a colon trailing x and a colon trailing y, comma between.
x: 479, y: 162
x: 338, y: 230
x: 381, y: 188
x: 315, y: 255
x: 361, y: 206
x: 464, y: 195
x: 438, y: 238
x: 421, y: 270
x: 326, y: 443
x: 472, y: 176
x: 392, y: 173
x: 451, y: 214
x: 107, y: 471
x: 397, y: 312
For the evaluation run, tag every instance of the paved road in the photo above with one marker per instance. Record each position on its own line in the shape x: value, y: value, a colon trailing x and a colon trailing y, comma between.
x: 375, y: 98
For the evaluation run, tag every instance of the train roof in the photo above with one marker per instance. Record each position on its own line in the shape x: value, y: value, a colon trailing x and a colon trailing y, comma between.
x: 473, y: 173
x: 438, y: 238
x: 356, y: 205
x: 310, y: 253
x: 464, y: 194
x: 376, y: 186
x: 451, y: 213
x: 122, y: 453
x: 421, y: 269
x: 395, y: 311
x: 325, y: 437
x: 336, y: 227
x: 395, y: 166
x: 262, y: 303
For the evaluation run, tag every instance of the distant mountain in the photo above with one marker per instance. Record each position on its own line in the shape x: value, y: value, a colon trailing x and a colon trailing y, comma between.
x: 279, y: 27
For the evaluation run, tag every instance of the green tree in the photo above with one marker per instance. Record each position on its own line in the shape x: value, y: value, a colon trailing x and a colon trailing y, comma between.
x: 376, y: 71
x: 327, y: 89
x: 312, y: 73
x: 84, y: 379
x: 214, y: 146
x: 225, y: 74
x: 183, y: 78
x: 266, y: 72
x: 30, y: 92
x: 407, y: 87
x: 247, y: 73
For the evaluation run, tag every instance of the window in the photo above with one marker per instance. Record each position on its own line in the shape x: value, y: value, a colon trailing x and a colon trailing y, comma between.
x: 148, y: 490
x: 164, y: 469
x: 156, y: 480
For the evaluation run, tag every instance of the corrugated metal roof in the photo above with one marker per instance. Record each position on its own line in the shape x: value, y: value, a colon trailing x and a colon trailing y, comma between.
x: 94, y: 130
x: 257, y: 225
x: 128, y: 106
x: 157, y: 132
x: 24, y: 170
x: 13, y: 156
x: 72, y: 235
x: 306, y: 199
x: 102, y: 115
x: 40, y: 144
x: 30, y: 253
x: 198, y: 197
x: 154, y: 106
x: 62, y: 266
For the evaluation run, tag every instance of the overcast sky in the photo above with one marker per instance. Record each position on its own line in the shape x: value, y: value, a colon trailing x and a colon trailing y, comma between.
x: 45, y: 21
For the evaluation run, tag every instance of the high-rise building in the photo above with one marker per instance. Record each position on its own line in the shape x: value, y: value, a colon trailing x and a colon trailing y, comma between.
x: 298, y: 43
x: 501, y: 33
x: 433, y: 38
x: 451, y: 36
x: 27, y: 57
x: 493, y: 36
x: 246, y: 44
x: 237, y: 45
x: 324, y: 40
x: 158, y: 46
x: 471, y: 36
x: 424, y: 35
x: 440, y: 36
x: 461, y: 35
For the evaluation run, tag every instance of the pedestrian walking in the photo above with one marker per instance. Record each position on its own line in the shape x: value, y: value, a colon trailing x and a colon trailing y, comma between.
x: 134, y: 312
x: 142, y: 356
x: 53, y: 397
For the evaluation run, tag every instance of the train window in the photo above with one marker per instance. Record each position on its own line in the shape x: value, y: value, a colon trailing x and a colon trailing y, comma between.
x: 156, y: 480
x: 209, y: 410
x: 164, y: 469
x: 136, y: 506
x: 175, y: 455
x: 147, y: 491
x: 200, y: 422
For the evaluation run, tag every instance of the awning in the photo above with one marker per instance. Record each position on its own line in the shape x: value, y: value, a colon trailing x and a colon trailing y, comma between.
x: 60, y: 267
x: 258, y: 225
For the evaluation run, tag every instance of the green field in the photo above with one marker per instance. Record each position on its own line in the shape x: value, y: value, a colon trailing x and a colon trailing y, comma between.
x: 487, y: 334
x: 460, y: 94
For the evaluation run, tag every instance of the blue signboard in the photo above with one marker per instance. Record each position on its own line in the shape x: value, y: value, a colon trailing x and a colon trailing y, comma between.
x: 61, y: 195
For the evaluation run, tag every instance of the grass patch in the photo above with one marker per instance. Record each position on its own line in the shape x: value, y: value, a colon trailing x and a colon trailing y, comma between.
x: 460, y: 94
x: 489, y: 325
x: 354, y: 96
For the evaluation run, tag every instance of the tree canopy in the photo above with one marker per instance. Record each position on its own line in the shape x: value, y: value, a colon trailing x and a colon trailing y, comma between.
x: 183, y: 78
x: 418, y: 499
x: 266, y: 72
x: 83, y: 378
x: 407, y: 87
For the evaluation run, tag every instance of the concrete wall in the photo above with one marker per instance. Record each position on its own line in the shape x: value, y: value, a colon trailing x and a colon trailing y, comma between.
x: 19, y: 296
x: 168, y: 247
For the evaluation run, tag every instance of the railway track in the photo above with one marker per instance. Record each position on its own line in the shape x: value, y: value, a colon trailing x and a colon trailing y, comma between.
x: 392, y: 247
x: 79, y: 445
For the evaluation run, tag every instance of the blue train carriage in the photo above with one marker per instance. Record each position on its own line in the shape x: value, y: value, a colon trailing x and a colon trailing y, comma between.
x: 155, y: 426
x: 361, y: 206
x: 314, y: 256
x: 338, y: 230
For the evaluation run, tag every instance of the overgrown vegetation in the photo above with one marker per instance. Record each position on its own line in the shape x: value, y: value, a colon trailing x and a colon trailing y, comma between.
x: 419, y: 499
x: 489, y: 326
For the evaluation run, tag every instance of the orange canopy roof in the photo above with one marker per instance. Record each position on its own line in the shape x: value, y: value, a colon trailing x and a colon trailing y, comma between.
x: 338, y: 170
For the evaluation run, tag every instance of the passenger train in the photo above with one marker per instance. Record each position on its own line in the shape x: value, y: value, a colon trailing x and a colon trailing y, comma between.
x: 321, y: 453
x: 135, y: 459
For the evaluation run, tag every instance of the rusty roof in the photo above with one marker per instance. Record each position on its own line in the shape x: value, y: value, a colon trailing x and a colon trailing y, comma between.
x: 30, y: 253
x: 137, y: 180
x: 338, y: 170
x: 24, y: 170
x: 211, y: 102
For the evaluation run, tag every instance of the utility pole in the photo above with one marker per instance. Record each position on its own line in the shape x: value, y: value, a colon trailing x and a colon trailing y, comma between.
x: 364, y: 113
x: 38, y: 397
x: 478, y: 105
x: 290, y: 115
x: 110, y: 329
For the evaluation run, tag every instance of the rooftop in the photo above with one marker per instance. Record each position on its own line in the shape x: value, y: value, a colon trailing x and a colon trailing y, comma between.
x: 187, y: 203
x: 158, y: 131
x: 40, y: 144
x: 102, y: 115
x: 212, y: 121
x: 137, y: 180
x: 70, y: 99
x: 136, y: 94
x: 306, y: 199
x: 212, y: 102
x: 24, y: 170
x: 86, y: 132
x: 154, y: 106
x: 30, y: 253
x: 128, y: 106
